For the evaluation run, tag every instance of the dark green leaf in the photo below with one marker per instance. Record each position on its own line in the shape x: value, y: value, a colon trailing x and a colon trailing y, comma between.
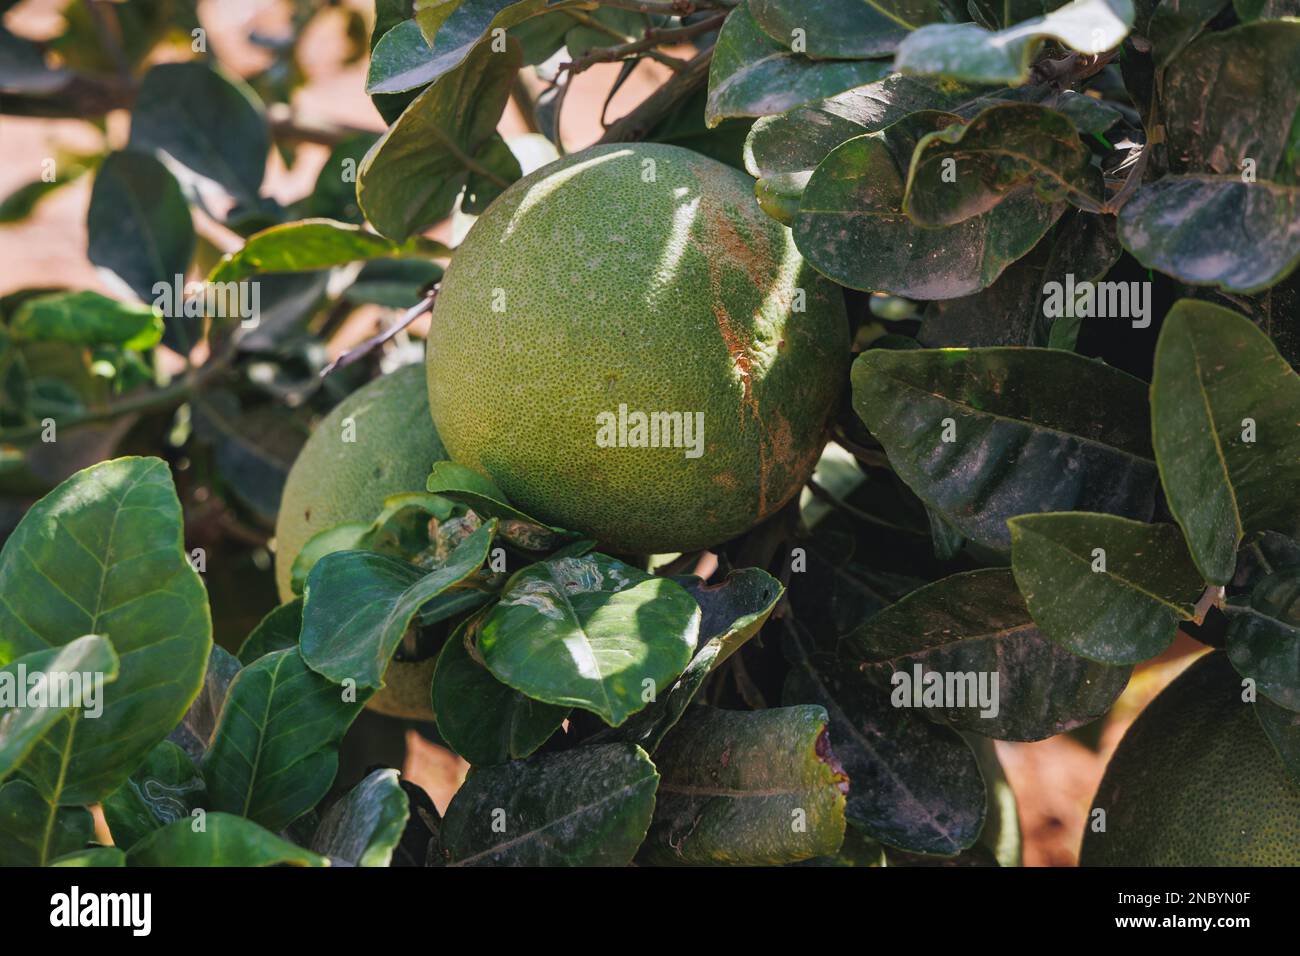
x: 754, y: 75
x: 358, y: 604
x: 779, y: 194
x: 194, y: 731
x: 1018, y: 309
x: 1091, y: 116
x: 405, y: 57
x: 342, y: 537
x: 275, y: 752
x: 585, y: 807
x: 365, y: 825
x: 1265, y: 9
x: 102, y: 554
x: 1121, y: 606
x: 964, y: 51
x: 965, y: 170
x: 1021, y: 441
x: 1231, y: 98
x: 747, y: 788
x: 393, y: 283
x: 852, y: 227
x: 163, y: 789
x: 735, y: 608
x: 1224, y: 408
x: 1264, y: 637
x: 838, y: 29
x: 411, y: 178
x: 255, y: 446
x: 390, y: 14
x: 1215, y: 230
x: 335, y: 194
x: 225, y: 840
x: 481, y: 718
x: 1175, y: 23
x: 139, y: 225
x: 590, y: 632
x: 33, y: 832
x: 497, y: 169
x: 1282, y: 727
x: 87, y: 318
x: 977, y: 623
x: 277, y: 631
x: 647, y: 728
x: 913, y: 784
x: 204, y: 122
x: 797, y: 140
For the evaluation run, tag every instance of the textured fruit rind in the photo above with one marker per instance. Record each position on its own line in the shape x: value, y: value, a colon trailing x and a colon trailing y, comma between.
x: 644, y: 276
x: 333, y: 481
x: 1195, y: 782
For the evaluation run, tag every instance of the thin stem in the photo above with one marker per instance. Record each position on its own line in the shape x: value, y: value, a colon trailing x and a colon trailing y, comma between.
x: 593, y: 24
x: 151, y: 401
x: 638, y: 123
x: 669, y: 8
x: 824, y: 494
x: 372, y: 343
x: 646, y: 45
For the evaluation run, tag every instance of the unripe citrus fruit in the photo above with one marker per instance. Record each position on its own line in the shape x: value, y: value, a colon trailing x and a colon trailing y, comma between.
x: 1195, y: 782
x: 630, y: 281
x: 335, y: 480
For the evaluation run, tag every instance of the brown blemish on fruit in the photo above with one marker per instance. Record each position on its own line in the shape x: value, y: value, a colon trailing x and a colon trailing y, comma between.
x: 727, y: 480
x: 737, y: 348
x: 822, y: 747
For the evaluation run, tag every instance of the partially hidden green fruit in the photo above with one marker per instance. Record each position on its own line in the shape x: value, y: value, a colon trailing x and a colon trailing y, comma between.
x: 335, y: 481
x: 636, y: 280
x: 1195, y: 782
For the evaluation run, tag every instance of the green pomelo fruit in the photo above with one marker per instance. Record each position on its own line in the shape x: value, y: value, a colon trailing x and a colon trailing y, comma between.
x: 644, y: 277
x: 1195, y: 782
x: 335, y: 481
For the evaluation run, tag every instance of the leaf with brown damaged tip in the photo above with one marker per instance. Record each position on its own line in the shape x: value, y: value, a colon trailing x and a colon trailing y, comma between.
x: 744, y: 788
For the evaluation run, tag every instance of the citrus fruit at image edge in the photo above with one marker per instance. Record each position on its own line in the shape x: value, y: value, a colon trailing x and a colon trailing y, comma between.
x: 1195, y: 782
x: 628, y: 281
x: 333, y: 481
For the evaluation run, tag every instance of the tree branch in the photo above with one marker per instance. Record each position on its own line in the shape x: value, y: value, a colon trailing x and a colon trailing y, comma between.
x: 637, y: 124
x: 151, y: 401
x: 669, y: 8
x: 646, y: 46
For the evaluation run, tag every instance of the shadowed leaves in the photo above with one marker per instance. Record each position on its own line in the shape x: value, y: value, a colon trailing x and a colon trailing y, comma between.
x: 585, y: 807
x: 747, y: 788
x: 1106, y: 588
x: 852, y: 227
x: 984, y: 435
x: 1224, y: 408
x: 754, y: 75
x: 977, y: 623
